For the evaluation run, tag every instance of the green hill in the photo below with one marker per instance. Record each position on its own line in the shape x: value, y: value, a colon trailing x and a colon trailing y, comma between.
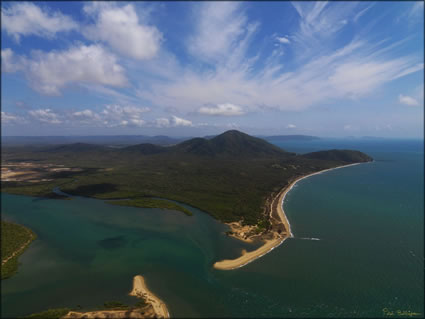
x: 230, y: 143
x: 144, y: 149
x: 348, y: 156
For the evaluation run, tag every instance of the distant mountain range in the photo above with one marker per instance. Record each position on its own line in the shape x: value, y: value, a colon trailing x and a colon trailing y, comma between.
x: 105, y: 139
x: 123, y: 140
x: 230, y: 144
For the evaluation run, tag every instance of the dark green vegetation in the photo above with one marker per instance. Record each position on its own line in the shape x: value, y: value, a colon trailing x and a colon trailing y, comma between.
x: 50, y: 314
x: 340, y: 155
x: 115, y: 305
x: 229, y: 176
x: 13, y: 238
x: 152, y: 203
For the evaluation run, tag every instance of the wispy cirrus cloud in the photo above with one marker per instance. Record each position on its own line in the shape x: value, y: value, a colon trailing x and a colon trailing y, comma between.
x: 219, y: 26
x: 26, y: 18
x: 349, y: 70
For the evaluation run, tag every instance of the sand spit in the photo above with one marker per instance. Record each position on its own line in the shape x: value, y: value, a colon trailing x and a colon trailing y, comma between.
x: 156, y: 308
x: 112, y: 314
x: 20, y: 249
x: 277, y: 237
x: 141, y: 290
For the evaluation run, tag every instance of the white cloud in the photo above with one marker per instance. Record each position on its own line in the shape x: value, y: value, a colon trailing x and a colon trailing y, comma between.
x: 350, y: 71
x: 115, y: 115
x: 416, y: 10
x: 283, y: 40
x: 219, y: 25
x: 85, y: 113
x: 9, y: 61
x: 178, y: 121
x: 226, y: 109
x: 85, y: 117
x: 8, y: 118
x: 407, y: 100
x: 291, y: 126
x: 245, y: 75
x: 46, y: 116
x: 362, y: 12
x: 173, y: 121
x: 162, y: 122
x: 121, y: 29
x: 26, y: 18
x: 319, y: 23
x: 49, y: 72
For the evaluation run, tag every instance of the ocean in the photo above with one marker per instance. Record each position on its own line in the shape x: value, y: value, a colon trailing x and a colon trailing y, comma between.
x: 357, y: 251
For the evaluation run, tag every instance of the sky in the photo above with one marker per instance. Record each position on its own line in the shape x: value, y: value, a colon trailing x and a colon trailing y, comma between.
x: 330, y: 69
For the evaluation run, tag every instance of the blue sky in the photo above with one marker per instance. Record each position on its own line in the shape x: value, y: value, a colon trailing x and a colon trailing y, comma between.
x: 198, y: 68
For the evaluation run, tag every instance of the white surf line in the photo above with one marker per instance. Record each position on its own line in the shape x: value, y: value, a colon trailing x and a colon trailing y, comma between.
x: 301, y: 178
x: 283, y: 211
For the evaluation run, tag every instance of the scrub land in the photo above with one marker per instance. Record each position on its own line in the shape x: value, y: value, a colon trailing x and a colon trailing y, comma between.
x: 234, y: 177
x: 14, y: 240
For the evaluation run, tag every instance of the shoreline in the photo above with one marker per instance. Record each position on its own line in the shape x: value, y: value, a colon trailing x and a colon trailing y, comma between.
x: 22, y: 248
x: 278, y: 239
x: 158, y: 308
x: 141, y: 290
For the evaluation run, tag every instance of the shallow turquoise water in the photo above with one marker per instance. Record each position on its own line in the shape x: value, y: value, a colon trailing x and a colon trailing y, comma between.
x: 369, y: 219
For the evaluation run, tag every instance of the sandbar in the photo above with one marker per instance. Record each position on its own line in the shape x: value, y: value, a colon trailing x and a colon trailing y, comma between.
x: 141, y: 290
x: 157, y: 308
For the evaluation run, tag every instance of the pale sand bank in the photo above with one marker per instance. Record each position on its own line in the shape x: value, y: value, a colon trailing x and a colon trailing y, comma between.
x: 141, y: 290
x: 156, y: 308
x: 111, y: 314
x: 278, y: 239
x: 248, y: 257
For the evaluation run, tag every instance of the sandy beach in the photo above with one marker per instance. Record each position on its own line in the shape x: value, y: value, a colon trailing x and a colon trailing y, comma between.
x: 156, y: 307
x: 278, y: 238
x: 141, y: 290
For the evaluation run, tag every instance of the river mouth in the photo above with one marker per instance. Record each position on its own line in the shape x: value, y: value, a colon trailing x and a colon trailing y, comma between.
x: 369, y: 219
x: 88, y: 251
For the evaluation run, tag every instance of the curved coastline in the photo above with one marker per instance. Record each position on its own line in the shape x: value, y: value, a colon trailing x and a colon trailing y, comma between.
x: 278, y: 239
x: 139, y: 290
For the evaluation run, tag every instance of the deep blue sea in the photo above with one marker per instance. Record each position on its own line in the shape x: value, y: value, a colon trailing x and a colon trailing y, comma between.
x: 368, y: 260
